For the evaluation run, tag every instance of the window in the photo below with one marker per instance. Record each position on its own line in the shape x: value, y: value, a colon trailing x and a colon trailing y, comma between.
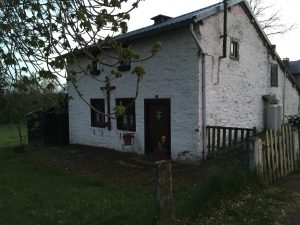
x: 274, y: 75
x: 95, y: 69
x: 97, y: 119
x: 127, y: 121
x: 125, y: 65
x: 234, y: 49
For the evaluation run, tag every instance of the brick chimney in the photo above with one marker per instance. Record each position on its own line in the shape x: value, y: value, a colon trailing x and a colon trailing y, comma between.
x: 286, y: 62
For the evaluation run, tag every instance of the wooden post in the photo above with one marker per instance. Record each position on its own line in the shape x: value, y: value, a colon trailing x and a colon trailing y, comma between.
x: 164, y: 192
x: 296, y: 148
x: 256, y: 162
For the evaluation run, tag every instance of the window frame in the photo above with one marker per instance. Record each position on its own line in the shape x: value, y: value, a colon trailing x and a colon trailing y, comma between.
x: 234, y: 53
x: 124, y: 65
x: 130, y: 111
x: 98, y: 103
x: 95, y: 71
x: 274, y: 75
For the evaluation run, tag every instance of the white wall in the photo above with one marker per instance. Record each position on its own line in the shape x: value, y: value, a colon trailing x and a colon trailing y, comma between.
x: 172, y: 73
x: 235, y: 88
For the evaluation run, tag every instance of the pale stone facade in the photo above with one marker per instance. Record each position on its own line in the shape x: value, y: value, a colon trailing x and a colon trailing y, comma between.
x: 234, y: 88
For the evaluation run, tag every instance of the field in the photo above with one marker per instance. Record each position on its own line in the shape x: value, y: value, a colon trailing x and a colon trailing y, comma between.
x: 9, y: 134
x: 61, y: 185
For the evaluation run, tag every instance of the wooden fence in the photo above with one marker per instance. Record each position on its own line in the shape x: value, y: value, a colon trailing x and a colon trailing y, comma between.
x: 279, y: 153
x: 223, y: 139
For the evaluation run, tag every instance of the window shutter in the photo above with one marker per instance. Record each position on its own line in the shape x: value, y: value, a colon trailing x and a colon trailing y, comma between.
x: 274, y: 75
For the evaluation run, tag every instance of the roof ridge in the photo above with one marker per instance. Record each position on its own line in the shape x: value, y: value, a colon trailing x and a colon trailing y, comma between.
x: 174, y: 20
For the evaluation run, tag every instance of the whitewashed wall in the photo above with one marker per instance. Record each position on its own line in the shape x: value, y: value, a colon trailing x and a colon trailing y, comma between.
x: 172, y: 73
x: 235, y: 88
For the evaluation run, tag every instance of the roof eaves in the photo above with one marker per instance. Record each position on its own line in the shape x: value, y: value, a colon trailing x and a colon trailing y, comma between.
x: 150, y: 32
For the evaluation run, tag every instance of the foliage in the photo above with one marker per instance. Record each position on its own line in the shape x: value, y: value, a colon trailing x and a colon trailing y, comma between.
x: 15, y: 105
x: 40, y: 38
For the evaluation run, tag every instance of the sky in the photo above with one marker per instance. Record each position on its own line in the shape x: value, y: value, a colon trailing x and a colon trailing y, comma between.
x: 287, y: 45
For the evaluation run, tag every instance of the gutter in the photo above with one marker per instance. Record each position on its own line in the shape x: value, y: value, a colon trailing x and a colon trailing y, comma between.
x: 203, y: 62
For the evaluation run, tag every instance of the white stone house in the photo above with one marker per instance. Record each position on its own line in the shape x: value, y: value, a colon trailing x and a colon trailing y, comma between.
x: 188, y: 84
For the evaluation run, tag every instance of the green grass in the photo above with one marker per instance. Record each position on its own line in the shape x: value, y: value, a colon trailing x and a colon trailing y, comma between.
x: 231, y: 195
x: 9, y: 134
x: 33, y: 194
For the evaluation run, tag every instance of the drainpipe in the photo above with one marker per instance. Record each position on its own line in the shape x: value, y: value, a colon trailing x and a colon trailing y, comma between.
x: 203, y: 60
x: 283, y: 97
x: 224, y: 36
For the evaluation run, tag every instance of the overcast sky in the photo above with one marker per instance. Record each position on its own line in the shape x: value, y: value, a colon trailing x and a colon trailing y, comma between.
x: 287, y: 45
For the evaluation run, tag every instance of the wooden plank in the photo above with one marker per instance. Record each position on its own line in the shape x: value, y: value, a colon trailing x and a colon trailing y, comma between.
x: 276, y: 155
x: 280, y: 149
x: 295, y: 147
x: 264, y: 156
x: 208, y: 141
x: 230, y: 137
x: 291, y: 147
x: 242, y: 135
x: 218, y: 140
x: 272, y: 163
x: 235, y: 136
x: 213, y: 142
x: 288, y: 148
x: 284, y: 158
x: 268, y: 150
x: 224, y: 139
x: 247, y: 134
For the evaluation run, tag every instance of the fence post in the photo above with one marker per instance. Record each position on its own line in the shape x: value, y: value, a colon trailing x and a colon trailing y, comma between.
x: 164, y: 192
x: 256, y: 163
x: 296, y: 148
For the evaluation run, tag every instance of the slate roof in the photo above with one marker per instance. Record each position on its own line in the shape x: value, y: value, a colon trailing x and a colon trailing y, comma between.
x: 175, y: 22
x: 294, y: 67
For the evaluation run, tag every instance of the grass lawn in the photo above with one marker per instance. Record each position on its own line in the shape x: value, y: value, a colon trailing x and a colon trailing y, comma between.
x: 35, y: 193
x: 9, y: 134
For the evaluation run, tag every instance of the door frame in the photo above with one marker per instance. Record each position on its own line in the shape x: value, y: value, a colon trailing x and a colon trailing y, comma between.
x: 147, y: 103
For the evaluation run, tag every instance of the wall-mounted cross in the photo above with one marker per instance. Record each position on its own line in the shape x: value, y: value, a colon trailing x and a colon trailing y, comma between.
x: 108, y: 88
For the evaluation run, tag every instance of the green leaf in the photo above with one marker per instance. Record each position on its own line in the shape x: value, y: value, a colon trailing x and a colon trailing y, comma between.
x: 139, y: 71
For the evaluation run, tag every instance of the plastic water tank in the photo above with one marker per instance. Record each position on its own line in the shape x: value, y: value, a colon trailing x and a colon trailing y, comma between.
x: 272, y: 119
x: 279, y: 116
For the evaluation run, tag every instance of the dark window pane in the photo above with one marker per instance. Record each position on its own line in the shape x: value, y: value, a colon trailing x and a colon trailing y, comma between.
x: 95, y: 71
x: 127, y: 121
x: 234, y: 49
x: 274, y: 75
x: 98, y: 119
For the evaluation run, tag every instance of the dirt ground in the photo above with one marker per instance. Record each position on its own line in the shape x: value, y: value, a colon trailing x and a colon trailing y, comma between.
x: 292, y: 183
x: 131, y: 169
x: 127, y: 168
